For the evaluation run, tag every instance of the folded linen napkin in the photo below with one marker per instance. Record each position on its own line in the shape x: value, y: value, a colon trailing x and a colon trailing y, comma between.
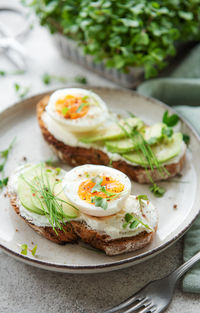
x: 182, y: 91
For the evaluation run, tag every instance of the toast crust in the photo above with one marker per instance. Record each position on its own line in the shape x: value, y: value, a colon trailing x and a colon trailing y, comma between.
x: 75, y: 156
x: 74, y: 231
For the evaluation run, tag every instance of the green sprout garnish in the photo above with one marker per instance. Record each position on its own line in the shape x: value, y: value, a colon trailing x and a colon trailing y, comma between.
x: 33, y: 251
x: 65, y: 110
x: 81, y: 106
x: 133, y: 221
x: 144, y: 147
x: 22, y: 91
x: 186, y: 139
x: 48, y: 79
x: 25, y: 249
x: 4, y: 155
x: 157, y: 190
x: 167, y: 132
x: 170, y: 121
x: 50, y: 202
x: 100, y: 201
x: 80, y: 79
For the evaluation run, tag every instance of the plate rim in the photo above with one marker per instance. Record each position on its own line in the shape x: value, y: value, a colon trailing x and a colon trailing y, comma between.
x: 114, y: 265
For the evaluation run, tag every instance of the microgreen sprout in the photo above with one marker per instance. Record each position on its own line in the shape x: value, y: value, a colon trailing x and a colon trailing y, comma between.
x: 170, y: 121
x: 50, y: 203
x: 25, y: 249
x: 157, y: 190
x: 4, y: 155
x: 100, y: 201
x: 22, y: 91
x: 80, y: 79
x: 186, y: 139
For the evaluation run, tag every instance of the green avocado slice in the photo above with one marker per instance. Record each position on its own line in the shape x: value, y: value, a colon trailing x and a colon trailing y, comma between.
x: 32, y: 201
x: 25, y: 196
x: 162, y: 151
x: 113, y: 131
x: 151, y: 134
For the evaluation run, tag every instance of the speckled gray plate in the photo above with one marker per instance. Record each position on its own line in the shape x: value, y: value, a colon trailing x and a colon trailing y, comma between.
x: 20, y: 120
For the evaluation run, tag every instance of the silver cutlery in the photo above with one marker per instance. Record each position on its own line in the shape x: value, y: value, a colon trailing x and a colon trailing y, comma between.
x: 156, y: 295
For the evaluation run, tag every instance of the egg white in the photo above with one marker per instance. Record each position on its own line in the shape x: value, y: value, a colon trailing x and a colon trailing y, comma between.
x: 76, y: 176
x: 96, y: 115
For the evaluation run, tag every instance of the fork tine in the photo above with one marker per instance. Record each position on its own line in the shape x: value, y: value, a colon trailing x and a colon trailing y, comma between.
x: 149, y: 308
x: 123, y: 304
x: 138, y: 305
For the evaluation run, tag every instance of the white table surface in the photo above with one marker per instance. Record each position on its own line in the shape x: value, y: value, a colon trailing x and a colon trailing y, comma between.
x: 25, y: 289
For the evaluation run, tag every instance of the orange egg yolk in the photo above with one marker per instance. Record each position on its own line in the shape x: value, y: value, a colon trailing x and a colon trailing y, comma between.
x: 72, y: 107
x: 111, y: 185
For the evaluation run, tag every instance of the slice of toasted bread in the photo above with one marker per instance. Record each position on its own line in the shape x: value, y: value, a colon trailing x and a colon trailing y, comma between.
x: 75, y: 230
x: 80, y: 155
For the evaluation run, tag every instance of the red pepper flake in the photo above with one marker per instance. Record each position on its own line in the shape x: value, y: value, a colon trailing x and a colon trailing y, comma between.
x: 107, y: 178
x: 33, y: 194
x: 175, y: 206
x: 57, y: 179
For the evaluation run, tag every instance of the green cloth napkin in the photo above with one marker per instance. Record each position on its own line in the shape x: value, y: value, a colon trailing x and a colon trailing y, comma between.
x: 184, y: 95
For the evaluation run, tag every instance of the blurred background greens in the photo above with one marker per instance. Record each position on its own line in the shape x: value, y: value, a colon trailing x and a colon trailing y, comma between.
x: 124, y: 34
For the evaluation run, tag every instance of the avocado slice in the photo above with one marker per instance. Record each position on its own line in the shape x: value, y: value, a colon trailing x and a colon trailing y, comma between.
x: 31, y: 202
x: 113, y: 131
x: 25, y: 196
x: 162, y: 151
x: 154, y: 131
x: 151, y: 134
x: 121, y: 146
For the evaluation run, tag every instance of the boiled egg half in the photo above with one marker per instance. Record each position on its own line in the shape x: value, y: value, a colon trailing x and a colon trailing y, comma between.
x: 97, y: 190
x: 80, y: 110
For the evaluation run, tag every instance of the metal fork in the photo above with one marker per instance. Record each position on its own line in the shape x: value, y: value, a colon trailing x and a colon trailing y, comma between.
x: 156, y: 295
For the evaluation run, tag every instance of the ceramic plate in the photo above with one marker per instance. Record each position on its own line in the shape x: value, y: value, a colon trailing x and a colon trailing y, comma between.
x: 20, y: 120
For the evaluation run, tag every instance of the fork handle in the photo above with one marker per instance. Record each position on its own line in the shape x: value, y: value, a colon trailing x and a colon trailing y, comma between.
x: 178, y: 273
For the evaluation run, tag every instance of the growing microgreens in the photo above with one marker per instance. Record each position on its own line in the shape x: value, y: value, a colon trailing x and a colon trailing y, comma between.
x: 100, y: 201
x: 50, y: 202
x: 170, y: 121
x: 22, y: 91
x: 4, y: 155
x: 123, y: 34
x: 25, y: 249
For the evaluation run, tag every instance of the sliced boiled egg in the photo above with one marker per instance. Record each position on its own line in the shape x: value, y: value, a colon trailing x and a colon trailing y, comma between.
x: 97, y: 190
x: 78, y: 109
